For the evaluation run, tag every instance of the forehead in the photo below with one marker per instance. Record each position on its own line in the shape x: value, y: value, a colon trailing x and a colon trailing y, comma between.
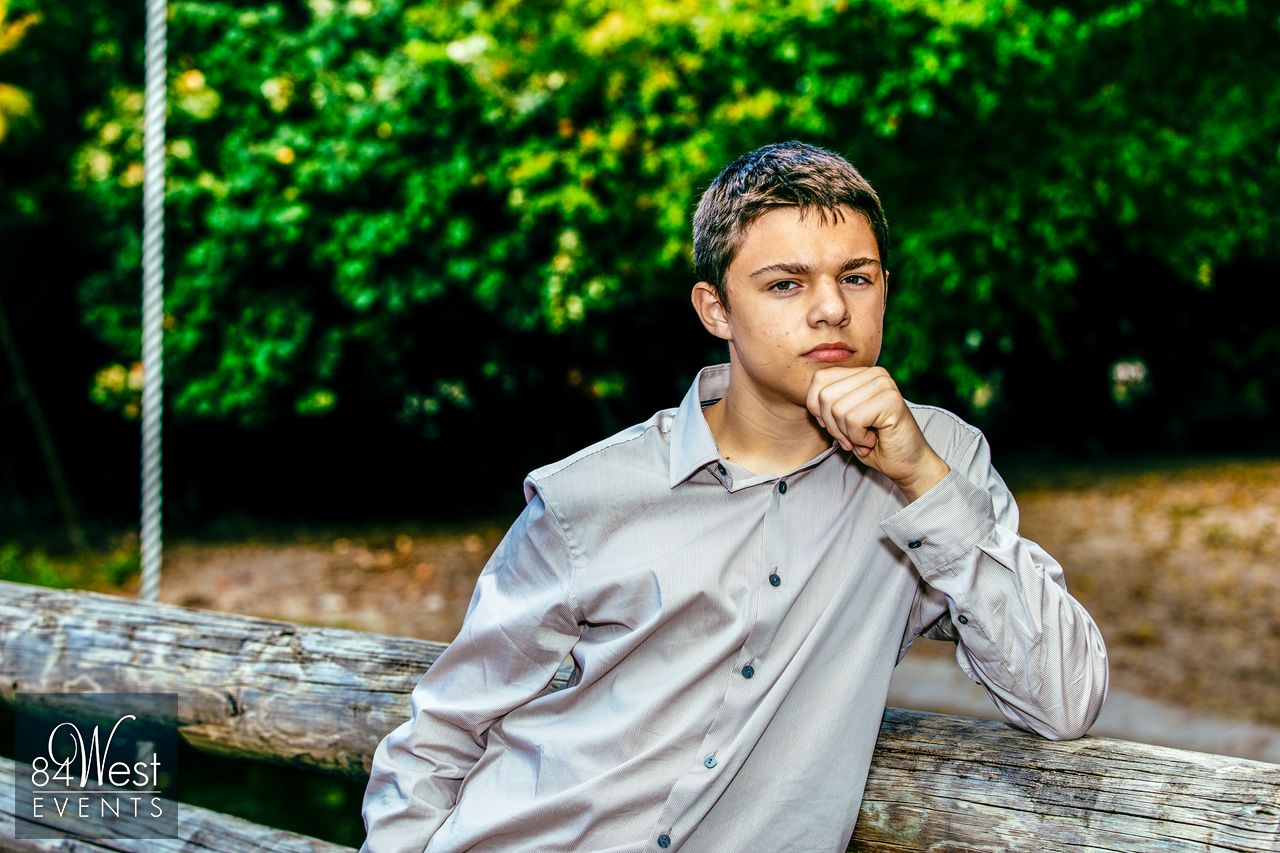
x: 808, y: 236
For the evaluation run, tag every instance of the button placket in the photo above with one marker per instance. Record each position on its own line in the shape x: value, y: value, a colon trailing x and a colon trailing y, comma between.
x: 767, y: 608
x: 770, y: 605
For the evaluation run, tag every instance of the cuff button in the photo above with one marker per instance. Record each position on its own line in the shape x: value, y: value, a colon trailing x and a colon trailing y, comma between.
x: 913, y: 544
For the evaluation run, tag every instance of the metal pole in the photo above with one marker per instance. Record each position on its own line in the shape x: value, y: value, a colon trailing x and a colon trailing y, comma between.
x: 153, y: 293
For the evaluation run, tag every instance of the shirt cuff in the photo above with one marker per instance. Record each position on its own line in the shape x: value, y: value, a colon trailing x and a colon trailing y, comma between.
x: 942, y: 525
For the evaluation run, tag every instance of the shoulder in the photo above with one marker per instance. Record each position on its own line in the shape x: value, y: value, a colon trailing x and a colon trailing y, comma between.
x: 949, y: 434
x: 623, y: 460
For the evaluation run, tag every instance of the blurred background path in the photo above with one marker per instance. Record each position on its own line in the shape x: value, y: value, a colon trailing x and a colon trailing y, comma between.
x: 927, y: 684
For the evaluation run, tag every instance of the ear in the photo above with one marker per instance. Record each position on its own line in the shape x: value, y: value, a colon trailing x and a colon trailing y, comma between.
x: 710, y: 310
x: 884, y: 302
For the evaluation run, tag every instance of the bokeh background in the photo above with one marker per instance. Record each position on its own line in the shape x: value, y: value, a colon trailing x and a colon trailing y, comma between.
x: 416, y: 250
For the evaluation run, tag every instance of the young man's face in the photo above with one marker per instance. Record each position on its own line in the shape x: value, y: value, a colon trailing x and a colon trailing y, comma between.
x: 796, y: 284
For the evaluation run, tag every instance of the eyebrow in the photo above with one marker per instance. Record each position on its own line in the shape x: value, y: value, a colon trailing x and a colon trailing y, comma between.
x: 805, y: 269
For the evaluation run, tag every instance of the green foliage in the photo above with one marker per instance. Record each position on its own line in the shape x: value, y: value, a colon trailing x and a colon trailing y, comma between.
x: 375, y: 203
x: 105, y: 569
x: 33, y: 568
x: 14, y: 102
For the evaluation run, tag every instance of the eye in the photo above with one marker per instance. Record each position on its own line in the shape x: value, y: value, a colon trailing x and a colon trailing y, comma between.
x: 785, y: 286
x: 856, y: 278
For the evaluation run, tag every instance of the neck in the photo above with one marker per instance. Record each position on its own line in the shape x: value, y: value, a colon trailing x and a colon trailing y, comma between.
x: 762, y: 436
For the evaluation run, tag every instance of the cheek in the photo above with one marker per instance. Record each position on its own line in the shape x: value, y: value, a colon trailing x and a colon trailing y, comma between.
x: 766, y: 347
x: 766, y: 335
x: 874, y: 342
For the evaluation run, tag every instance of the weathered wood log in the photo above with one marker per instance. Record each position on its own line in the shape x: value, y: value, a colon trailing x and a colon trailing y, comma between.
x: 323, y: 697
x: 247, y: 687
x: 983, y: 785
x: 197, y: 829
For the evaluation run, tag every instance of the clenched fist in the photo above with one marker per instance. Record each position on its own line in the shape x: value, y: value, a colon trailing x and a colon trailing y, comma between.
x: 863, y: 410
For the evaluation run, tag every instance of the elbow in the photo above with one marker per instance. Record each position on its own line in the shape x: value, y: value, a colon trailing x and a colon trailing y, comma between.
x: 1070, y: 722
x: 1072, y: 729
x: 1079, y: 708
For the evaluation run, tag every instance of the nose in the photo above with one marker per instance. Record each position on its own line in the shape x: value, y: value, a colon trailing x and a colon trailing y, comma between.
x: 828, y: 304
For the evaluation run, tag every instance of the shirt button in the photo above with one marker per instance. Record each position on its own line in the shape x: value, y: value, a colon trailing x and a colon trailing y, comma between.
x: 664, y: 841
x: 782, y: 487
x: 748, y: 671
x: 964, y: 620
x: 914, y: 543
x: 709, y: 761
x: 775, y: 580
x: 721, y: 469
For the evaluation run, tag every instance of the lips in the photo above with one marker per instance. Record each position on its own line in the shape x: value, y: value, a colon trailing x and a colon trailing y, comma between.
x: 834, y: 351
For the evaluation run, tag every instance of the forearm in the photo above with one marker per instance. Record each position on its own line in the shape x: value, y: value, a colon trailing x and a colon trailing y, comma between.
x: 517, y: 631
x: 1023, y: 637
x: 1004, y: 600
x: 413, y: 785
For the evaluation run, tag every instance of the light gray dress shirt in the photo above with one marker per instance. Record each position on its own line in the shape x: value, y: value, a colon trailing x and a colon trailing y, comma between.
x: 733, y: 637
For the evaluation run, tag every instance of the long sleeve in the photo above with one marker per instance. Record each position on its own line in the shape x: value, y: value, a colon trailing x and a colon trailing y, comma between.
x: 1002, y: 599
x: 518, y: 628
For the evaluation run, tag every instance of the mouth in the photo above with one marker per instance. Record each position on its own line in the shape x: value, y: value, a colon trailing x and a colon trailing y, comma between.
x: 834, y: 351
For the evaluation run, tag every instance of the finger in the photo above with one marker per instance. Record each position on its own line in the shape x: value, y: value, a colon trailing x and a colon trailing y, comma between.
x: 820, y: 379
x: 827, y: 400
x: 856, y: 409
x: 857, y: 383
x: 861, y: 418
x: 835, y: 432
x: 819, y: 398
x: 831, y: 376
x: 834, y: 393
x: 856, y: 419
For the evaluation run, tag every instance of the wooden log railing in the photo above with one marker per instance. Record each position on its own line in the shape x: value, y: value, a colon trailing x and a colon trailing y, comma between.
x: 323, y: 697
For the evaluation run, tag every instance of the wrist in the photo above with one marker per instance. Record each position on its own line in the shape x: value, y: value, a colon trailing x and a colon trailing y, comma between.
x: 925, y: 476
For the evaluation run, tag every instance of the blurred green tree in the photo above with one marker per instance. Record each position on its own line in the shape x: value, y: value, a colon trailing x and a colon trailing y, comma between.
x: 14, y: 102
x: 382, y: 206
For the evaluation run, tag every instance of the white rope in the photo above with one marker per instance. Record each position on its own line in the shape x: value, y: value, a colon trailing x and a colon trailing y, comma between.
x: 153, y: 294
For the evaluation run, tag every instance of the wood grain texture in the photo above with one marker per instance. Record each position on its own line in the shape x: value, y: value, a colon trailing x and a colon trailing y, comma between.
x: 324, y: 697
x: 942, y: 783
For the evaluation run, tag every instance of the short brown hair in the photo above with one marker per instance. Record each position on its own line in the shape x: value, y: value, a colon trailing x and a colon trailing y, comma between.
x: 784, y: 174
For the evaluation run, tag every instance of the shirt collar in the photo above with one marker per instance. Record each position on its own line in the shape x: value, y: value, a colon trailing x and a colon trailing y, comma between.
x: 692, y: 445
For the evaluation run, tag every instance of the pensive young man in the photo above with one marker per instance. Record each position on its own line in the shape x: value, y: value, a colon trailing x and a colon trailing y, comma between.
x: 736, y: 578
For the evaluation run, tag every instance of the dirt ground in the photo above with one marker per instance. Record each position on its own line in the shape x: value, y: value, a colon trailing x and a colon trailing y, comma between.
x: 1180, y: 569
